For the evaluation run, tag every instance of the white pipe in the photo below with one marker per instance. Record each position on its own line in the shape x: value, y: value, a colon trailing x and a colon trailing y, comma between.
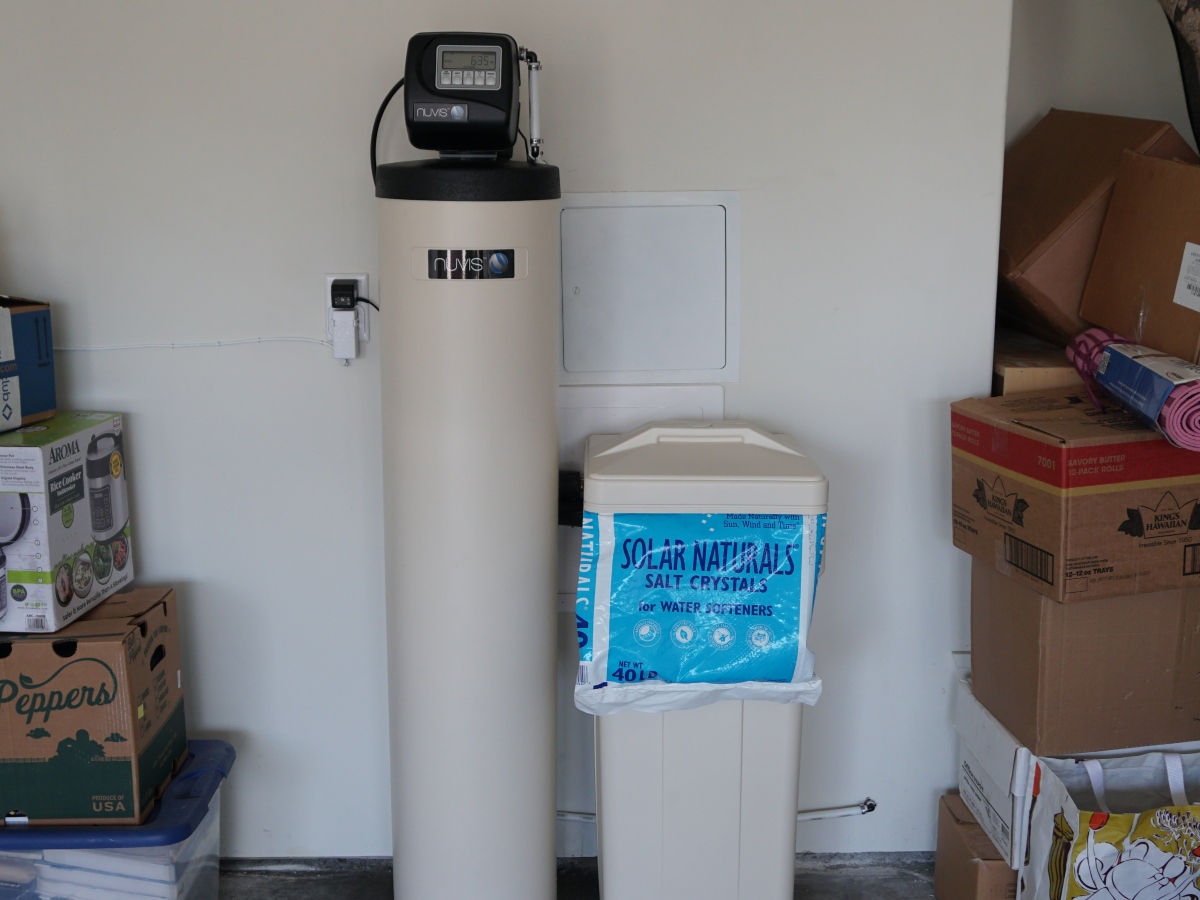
x: 564, y: 816
x: 808, y: 815
x: 837, y: 812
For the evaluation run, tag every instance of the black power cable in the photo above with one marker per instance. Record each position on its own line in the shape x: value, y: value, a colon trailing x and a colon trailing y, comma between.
x: 379, y: 118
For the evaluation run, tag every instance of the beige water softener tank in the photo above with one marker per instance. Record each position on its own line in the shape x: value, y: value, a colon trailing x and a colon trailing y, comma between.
x: 469, y: 269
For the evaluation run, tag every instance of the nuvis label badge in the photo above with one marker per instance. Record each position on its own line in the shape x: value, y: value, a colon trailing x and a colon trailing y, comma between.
x: 469, y: 264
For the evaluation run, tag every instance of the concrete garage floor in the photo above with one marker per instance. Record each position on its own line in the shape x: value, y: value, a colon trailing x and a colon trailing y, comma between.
x: 897, y: 876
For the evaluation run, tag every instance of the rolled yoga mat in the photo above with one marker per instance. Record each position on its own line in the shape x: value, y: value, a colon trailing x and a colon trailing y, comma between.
x: 1177, y: 416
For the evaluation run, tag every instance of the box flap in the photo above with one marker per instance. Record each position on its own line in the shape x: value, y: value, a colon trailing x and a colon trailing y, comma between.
x: 1016, y: 350
x: 1067, y: 160
x: 971, y: 833
x: 20, y: 304
x: 1062, y: 417
x: 62, y: 425
x: 1155, y: 213
x: 129, y: 604
x: 112, y: 618
x: 997, y: 751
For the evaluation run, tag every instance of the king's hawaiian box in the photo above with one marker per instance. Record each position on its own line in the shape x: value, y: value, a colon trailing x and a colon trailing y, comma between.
x: 1075, y: 502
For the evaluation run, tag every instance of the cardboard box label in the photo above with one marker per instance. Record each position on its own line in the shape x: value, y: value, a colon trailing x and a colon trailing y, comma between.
x: 975, y: 788
x: 999, y: 503
x: 1187, y: 288
x: 20, y: 471
x: 1142, y: 378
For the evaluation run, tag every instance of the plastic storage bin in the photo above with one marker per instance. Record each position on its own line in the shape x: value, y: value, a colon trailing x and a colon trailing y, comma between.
x: 174, y: 855
x: 700, y: 803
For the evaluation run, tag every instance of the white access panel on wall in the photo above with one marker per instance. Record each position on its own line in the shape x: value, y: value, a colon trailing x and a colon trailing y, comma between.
x: 650, y: 287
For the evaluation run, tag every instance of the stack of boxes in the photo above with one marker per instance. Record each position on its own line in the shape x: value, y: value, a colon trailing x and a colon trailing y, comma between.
x: 91, y: 687
x: 1082, y: 523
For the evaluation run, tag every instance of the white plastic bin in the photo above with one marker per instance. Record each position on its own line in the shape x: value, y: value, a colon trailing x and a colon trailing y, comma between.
x: 174, y: 855
x: 700, y: 803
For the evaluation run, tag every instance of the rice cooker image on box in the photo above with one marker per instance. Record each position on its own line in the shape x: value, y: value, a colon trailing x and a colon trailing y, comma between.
x: 14, y: 519
x: 107, y: 494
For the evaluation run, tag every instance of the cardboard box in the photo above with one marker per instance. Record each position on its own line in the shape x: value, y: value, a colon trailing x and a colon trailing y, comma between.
x: 65, y: 540
x: 1058, y: 181
x: 1023, y: 363
x: 1075, y: 503
x: 1145, y: 283
x: 994, y: 773
x: 92, y: 718
x: 1049, y: 671
x: 27, y: 389
x: 968, y: 867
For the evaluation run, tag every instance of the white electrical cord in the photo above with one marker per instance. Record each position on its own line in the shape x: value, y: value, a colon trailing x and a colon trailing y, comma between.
x: 181, y: 345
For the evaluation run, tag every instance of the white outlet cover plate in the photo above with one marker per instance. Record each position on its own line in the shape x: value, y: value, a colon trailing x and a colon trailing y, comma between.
x: 364, y: 310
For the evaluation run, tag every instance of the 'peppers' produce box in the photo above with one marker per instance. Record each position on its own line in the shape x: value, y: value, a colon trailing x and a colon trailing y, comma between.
x: 92, y: 718
x: 64, y: 519
x: 1074, y: 502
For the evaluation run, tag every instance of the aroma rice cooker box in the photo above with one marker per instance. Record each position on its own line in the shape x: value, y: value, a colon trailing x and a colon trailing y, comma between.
x: 64, y: 519
x: 92, y: 718
x: 1071, y: 501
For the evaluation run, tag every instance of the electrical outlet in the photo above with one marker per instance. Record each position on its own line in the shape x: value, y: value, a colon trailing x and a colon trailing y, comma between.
x: 364, y: 309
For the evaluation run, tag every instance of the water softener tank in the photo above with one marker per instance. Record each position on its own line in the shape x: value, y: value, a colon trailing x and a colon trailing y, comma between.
x: 469, y: 274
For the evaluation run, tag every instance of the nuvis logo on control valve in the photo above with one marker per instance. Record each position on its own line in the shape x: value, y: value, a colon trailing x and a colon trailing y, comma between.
x: 471, y: 264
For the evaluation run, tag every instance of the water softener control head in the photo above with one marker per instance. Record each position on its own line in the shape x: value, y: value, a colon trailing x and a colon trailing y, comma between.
x: 462, y: 92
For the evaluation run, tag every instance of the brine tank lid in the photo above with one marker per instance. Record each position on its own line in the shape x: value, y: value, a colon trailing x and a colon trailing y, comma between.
x: 707, y: 467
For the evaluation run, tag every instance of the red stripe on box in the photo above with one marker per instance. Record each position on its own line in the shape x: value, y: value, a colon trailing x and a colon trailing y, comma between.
x: 1075, y: 467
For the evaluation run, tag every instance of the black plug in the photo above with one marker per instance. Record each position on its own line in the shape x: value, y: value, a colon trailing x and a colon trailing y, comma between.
x: 570, y: 498
x: 343, y: 294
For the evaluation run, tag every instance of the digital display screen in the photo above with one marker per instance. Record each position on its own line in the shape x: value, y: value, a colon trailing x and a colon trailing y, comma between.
x: 468, y: 59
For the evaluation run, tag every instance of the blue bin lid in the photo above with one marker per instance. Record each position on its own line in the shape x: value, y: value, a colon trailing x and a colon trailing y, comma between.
x: 178, y: 813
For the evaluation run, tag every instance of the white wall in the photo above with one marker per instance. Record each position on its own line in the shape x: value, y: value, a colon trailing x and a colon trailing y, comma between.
x: 190, y: 171
x: 1105, y: 56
